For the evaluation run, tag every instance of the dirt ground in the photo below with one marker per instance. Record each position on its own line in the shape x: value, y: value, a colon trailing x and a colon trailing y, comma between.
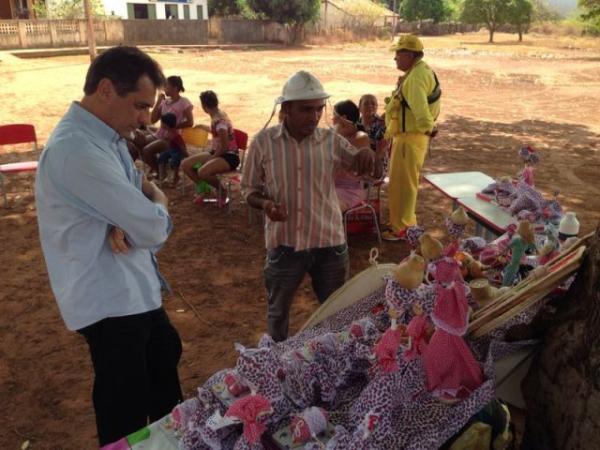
x: 543, y: 92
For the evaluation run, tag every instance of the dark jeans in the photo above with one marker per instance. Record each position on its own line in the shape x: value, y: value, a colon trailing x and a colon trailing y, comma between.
x: 285, y: 268
x: 135, y: 364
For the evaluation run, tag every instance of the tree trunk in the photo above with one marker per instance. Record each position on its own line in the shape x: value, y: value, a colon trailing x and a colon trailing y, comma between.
x: 520, y: 31
x: 562, y: 388
x: 491, y: 41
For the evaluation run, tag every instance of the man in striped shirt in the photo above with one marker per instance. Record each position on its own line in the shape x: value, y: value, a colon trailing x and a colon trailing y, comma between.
x: 288, y: 174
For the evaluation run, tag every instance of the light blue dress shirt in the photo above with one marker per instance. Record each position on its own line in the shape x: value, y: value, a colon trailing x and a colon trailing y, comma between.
x: 86, y: 184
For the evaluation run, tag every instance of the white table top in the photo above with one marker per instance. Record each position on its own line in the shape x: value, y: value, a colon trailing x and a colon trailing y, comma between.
x: 459, y: 184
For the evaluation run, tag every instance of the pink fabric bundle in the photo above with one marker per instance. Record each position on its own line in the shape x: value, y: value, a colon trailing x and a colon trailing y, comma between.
x: 452, y: 371
x: 451, y: 309
x: 311, y: 422
x: 417, y: 331
x: 235, y: 385
x: 527, y: 176
x: 386, y: 350
x: 250, y: 410
x: 447, y: 271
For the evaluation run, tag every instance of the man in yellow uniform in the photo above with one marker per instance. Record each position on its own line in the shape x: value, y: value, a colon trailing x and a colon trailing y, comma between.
x: 410, y: 116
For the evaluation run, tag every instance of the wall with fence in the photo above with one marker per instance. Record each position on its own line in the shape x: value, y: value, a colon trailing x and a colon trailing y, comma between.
x: 72, y: 33
x: 57, y: 33
x: 160, y: 32
x: 242, y: 31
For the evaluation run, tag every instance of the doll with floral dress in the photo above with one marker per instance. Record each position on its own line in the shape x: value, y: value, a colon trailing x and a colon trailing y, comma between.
x: 531, y: 158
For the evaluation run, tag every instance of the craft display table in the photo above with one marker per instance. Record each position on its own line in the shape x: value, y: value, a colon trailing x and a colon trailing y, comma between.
x: 455, y: 185
x: 489, y: 218
x: 462, y: 188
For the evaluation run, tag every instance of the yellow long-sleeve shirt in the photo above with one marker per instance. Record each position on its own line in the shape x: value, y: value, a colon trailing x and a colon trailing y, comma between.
x: 420, y: 116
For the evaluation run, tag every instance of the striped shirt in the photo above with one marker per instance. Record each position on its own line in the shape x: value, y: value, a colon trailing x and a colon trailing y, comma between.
x: 300, y: 176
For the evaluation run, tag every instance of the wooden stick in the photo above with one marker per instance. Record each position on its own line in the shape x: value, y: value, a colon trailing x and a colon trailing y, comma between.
x: 547, y: 284
x: 551, y: 266
x: 513, y: 306
x: 517, y: 309
x: 192, y: 308
x: 551, y: 279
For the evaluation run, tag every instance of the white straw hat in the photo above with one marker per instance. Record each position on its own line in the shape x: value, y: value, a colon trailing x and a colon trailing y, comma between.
x: 302, y: 86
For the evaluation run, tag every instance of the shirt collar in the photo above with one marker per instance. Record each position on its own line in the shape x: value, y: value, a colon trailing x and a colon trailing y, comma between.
x: 92, y: 124
x: 281, y: 132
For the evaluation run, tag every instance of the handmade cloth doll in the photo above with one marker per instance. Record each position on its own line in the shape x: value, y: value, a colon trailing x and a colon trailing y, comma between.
x: 386, y: 350
x: 450, y: 367
x: 531, y: 158
x: 418, y: 331
x: 521, y: 242
x: 456, y: 223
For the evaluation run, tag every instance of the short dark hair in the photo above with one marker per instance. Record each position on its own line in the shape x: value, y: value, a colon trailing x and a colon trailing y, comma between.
x: 169, y: 120
x: 348, y: 110
x: 124, y: 66
x: 209, y: 99
x: 176, y: 82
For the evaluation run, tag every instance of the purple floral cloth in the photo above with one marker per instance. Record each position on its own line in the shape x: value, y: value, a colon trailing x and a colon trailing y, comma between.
x: 330, y: 366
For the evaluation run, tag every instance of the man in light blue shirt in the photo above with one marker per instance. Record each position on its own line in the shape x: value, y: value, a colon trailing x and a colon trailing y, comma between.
x: 101, y: 223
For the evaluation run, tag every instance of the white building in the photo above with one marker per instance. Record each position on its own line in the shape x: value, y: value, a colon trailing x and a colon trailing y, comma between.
x: 157, y: 9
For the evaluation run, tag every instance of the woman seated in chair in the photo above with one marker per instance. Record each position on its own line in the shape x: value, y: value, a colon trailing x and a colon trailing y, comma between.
x: 350, y: 188
x: 154, y: 143
x: 224, y: 154
x: 374, y: 126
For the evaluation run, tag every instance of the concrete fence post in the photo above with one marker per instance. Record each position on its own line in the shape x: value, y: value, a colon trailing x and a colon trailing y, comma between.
x: 22, y: 28
x: 82, y: 34
x: 53, y: 33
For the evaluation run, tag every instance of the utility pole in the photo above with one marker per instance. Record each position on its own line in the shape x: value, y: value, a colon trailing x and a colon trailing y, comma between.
x: 394, y: 18
x: 91, y: 37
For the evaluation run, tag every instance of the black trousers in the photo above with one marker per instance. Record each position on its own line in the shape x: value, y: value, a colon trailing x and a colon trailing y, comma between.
x: 135, y: 365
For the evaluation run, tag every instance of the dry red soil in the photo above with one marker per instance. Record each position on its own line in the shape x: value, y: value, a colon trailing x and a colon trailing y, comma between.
x: 543, y: 92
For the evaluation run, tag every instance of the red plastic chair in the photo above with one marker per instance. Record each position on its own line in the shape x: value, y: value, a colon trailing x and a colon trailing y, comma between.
x: 16, y: 134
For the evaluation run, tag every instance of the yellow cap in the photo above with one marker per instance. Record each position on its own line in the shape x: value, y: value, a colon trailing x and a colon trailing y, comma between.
x: 407, y: 42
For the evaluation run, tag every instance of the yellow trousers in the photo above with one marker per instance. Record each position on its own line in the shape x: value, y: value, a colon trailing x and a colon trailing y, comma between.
x: 408, y: 155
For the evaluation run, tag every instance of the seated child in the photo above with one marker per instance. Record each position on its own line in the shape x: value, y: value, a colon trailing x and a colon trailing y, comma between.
x: 176, y: 148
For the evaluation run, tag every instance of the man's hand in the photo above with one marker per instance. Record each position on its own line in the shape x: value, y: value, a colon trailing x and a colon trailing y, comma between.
x: 276, y: 212
x: 118, y: 241
x: 153, y: 193
x: 363, y: 162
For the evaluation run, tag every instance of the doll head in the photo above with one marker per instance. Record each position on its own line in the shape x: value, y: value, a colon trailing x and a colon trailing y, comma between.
x: 529, y: 155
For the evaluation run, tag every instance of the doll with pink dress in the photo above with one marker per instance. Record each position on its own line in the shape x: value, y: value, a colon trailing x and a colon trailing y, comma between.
x: 531, y: 158
x: 451, y: 370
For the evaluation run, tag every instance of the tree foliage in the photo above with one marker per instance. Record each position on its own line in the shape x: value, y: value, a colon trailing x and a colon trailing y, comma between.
x: 294, y: 13
x: 418, y: 10
x: 223, y: 7
x: 591, y: 7
x: 67, y: 9
x: 520, y: 14
x: 542, y: 12
x: 492, y: 13
x: 287, y: 11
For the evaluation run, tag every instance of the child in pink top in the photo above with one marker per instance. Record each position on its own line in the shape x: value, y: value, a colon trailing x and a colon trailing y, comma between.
x: 169, y: 102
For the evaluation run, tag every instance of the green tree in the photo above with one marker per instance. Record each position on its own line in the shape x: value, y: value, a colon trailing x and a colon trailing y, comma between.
x: 492, y: 13
x: 591, y: 7
x: 542, y: 12
x: 419, y: 10
x: 591, y: 15
x: 223, y: 8
x: 520, y: 13
x: 67, y: 9
x: 293, y: 13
